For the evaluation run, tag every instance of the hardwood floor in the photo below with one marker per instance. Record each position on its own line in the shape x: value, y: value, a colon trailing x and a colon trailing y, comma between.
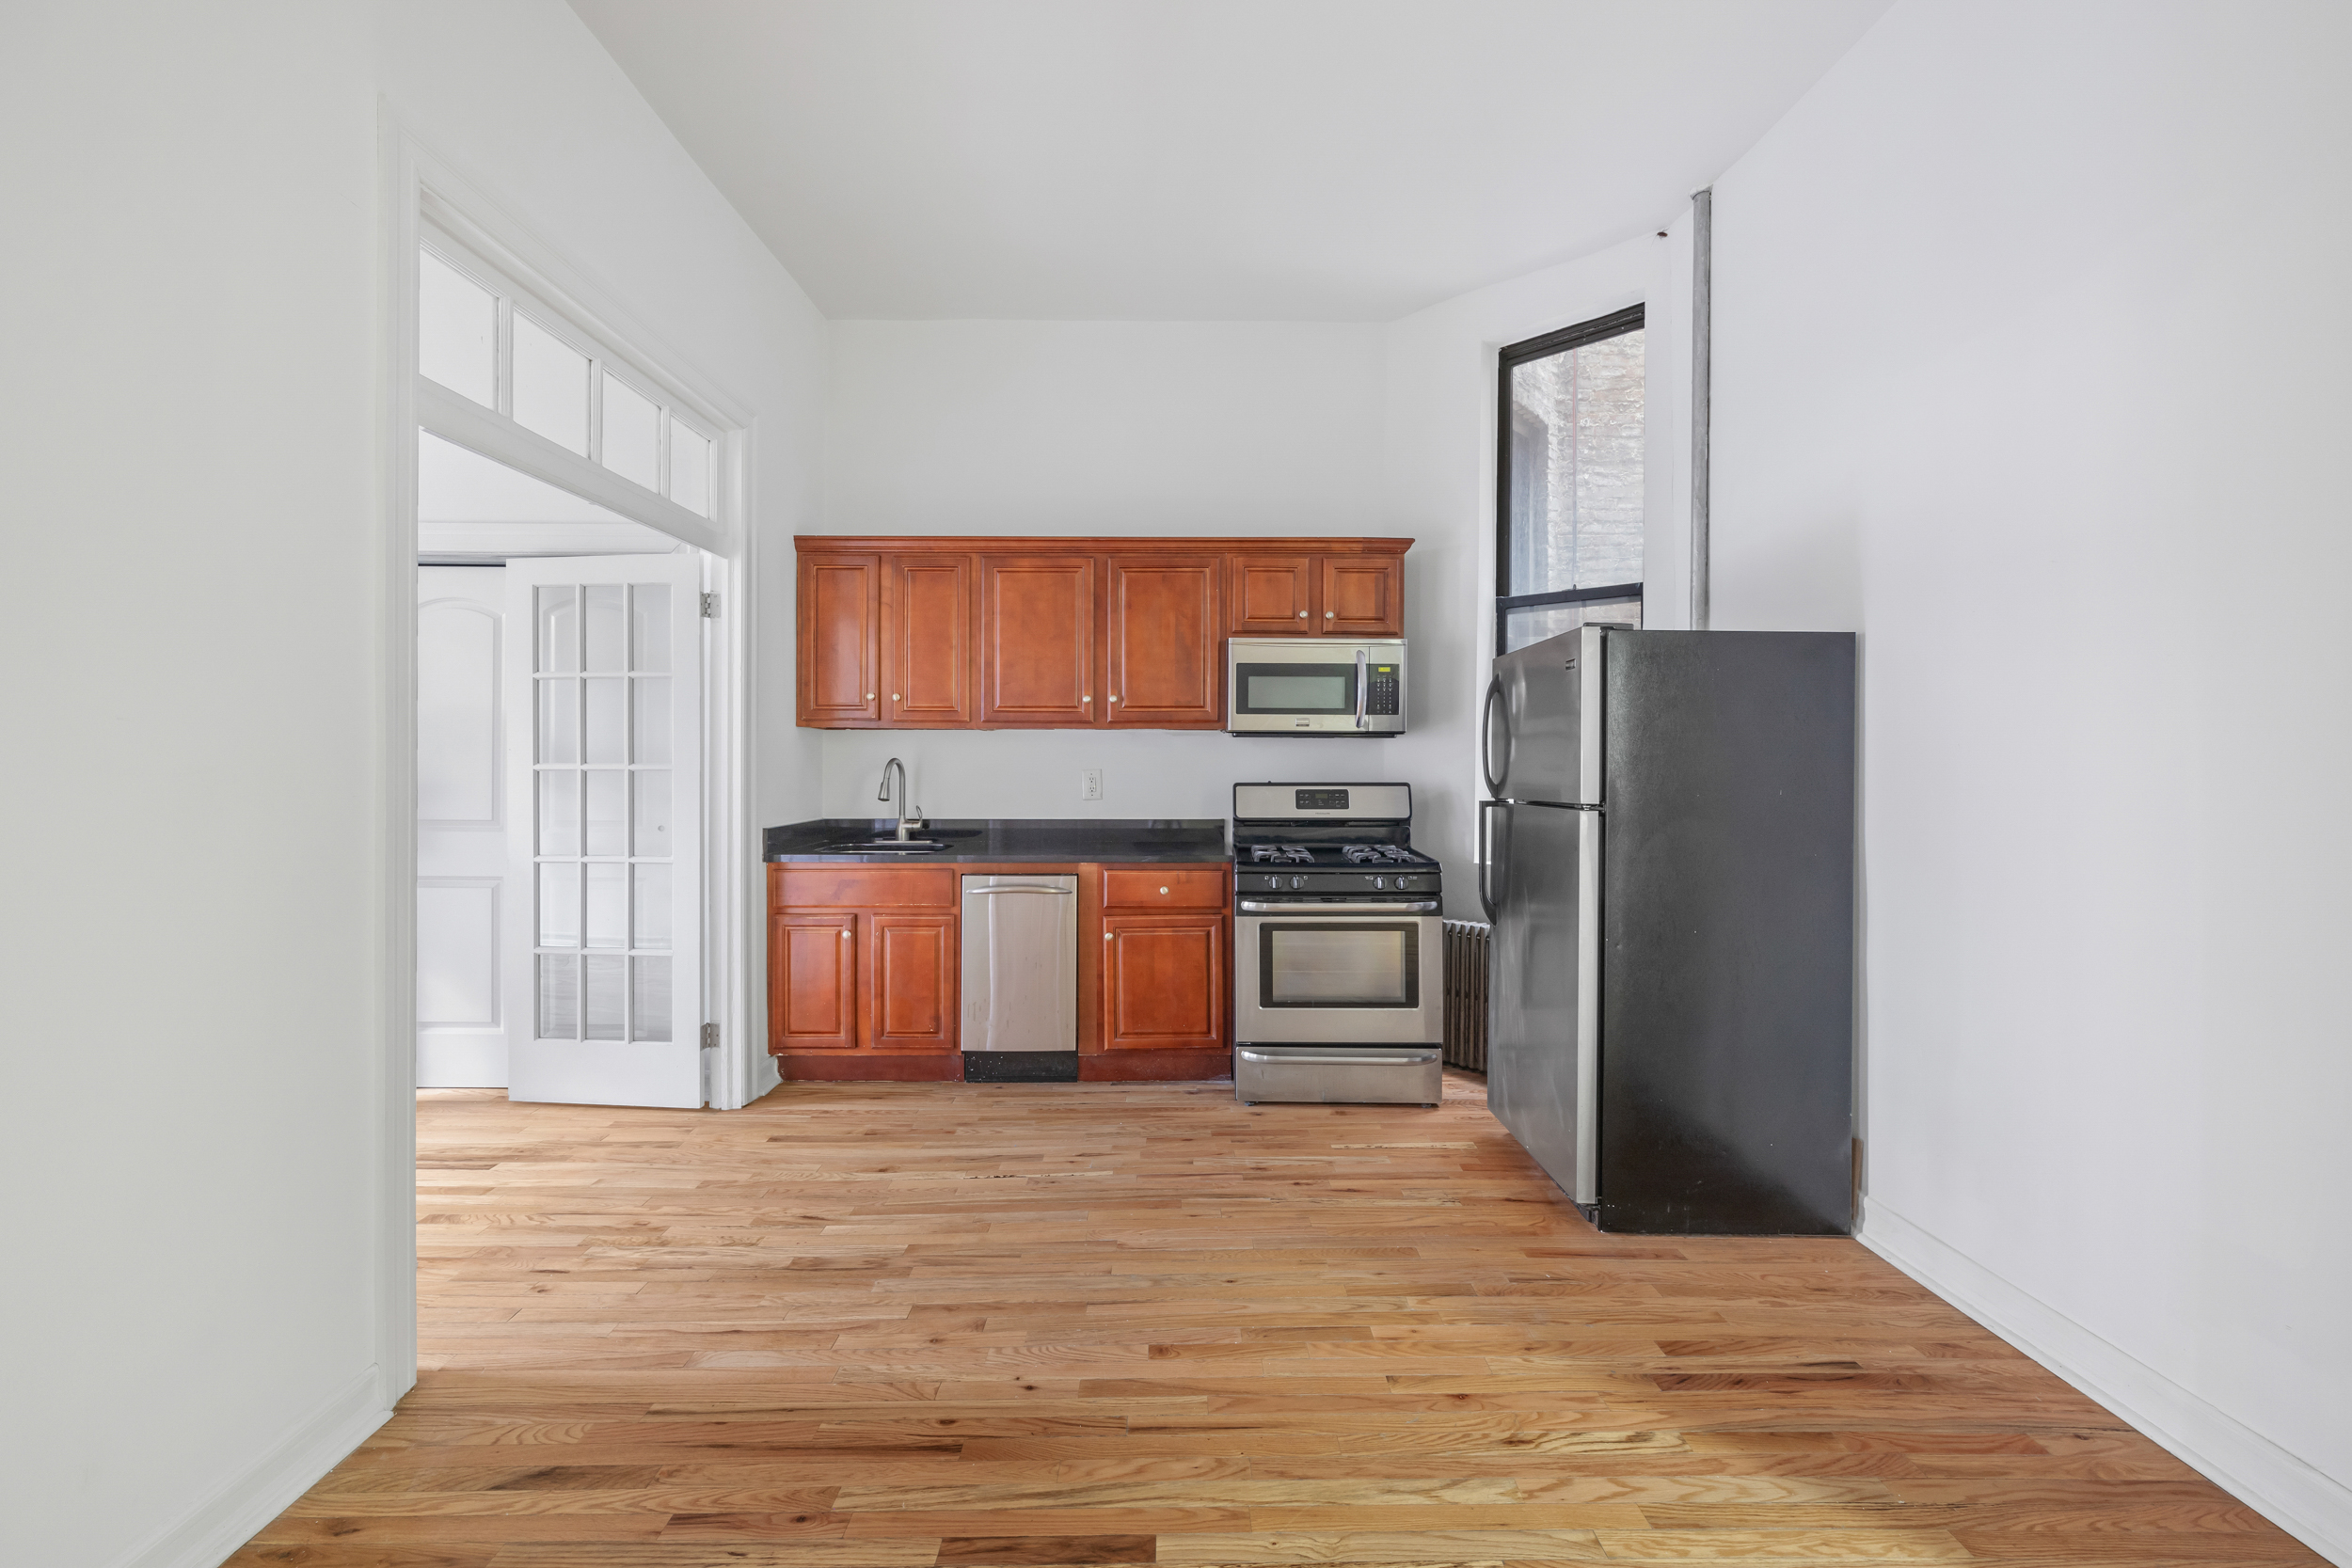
x: 879, y: 1324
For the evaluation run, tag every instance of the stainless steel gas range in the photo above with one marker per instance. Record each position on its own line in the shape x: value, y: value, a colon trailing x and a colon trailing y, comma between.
x: 1338, y: 967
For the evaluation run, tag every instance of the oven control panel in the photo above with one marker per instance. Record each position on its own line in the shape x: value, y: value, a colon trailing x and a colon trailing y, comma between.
x: 1333, y: 884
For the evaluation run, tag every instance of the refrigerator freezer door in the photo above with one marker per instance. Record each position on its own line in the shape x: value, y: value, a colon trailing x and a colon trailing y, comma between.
x: 1535, y: 743
x: 1543, y: 1026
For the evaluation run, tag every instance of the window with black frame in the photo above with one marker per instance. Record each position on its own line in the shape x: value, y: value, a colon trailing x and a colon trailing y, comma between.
x: 1568, y: 480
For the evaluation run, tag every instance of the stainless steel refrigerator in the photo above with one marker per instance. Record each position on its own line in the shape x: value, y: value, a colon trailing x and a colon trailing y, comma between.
x: 1668, y: 860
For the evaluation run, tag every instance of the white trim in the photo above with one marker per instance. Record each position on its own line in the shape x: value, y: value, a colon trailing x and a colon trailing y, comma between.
x: 224, y: 1521
x: 2314, y: 1508
x: 455, y: 418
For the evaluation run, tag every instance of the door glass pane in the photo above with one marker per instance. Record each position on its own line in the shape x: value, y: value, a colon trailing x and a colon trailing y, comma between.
x: 457, y: 329
x: 608, y: 905
x: 632, y: 432
x: 653, y: 719
x: 605, y: 978
x: 558, y: 812
x: 690, y: 469
x: 559, y: 630
x: 607, y: 720
x: 550, y: 386
x: 649, y: 628
x: 649, y: 999
x: 1335, y: 965
x: 559, y: 996
x: 652, y: 906
x: 559, y: 904
x: 605, y: 625
x: 653, y: 812
x: 559, y: 720
x: 1573, y: 476
x: 607, y: 812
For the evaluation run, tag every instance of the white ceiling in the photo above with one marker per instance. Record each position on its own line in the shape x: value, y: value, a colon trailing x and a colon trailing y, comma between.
x: 1208, y: 158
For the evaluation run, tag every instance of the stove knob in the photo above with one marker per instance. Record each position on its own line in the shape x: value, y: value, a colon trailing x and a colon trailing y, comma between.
x: 1403, y: 882
x: 1299, y: 881
x: 1274, y: 882
x: 1380, y: 881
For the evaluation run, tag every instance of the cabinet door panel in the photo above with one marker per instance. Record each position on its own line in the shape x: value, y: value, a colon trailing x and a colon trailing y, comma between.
x: 1363, y: 595
x: 928, y: 641
x: 1162, y: 982
x: 1036, y: 640
x: 812, y: 982
x: 1166, y: 668
x: 1272, y: 595
x: 910, y: 987
x: 839, y: 631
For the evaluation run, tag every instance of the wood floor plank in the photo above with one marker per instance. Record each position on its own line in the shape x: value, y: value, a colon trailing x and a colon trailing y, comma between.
x: 938, y: 1325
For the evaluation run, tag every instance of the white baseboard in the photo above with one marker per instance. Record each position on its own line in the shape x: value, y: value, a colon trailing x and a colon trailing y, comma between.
x: 2314, y: 1508
x: 205, y: 1536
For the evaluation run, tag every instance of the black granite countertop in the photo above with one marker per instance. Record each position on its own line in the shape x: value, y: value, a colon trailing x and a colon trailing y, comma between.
x: 1106, y: 840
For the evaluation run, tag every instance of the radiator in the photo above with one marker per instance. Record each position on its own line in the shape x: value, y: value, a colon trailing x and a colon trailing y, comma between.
x: 1465, y: 994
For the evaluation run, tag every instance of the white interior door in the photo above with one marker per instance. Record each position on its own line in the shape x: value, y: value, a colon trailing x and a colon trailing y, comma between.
x: 461, y: 827
x: 605, y: 791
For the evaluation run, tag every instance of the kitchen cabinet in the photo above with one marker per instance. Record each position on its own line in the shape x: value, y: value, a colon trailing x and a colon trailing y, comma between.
x: 1037, y: 641
x: 1166, y: 642
x: 1164, y: 981
x: 930, y: 646
x: 1065, y: 633
x: 862, y: 959
x: 1359, y: 595
x: 840, y: 630
x: 1272, y: 595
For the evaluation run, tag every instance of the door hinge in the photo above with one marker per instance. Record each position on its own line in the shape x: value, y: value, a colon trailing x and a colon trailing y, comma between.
x: 711, y: 1036
x: 711, y: 606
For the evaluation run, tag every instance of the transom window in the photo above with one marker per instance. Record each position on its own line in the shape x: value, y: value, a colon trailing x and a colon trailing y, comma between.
x: 1568, y: 501
x: 485, y: 339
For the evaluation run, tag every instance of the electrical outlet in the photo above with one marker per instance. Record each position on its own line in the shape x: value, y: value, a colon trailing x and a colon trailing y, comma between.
x: 1090, y: 785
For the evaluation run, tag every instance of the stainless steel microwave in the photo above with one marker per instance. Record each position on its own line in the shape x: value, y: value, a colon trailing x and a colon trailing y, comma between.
x: 1314, y: 684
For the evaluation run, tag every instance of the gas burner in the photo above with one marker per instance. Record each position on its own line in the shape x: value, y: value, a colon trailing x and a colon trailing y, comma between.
x: 1279, y: 854
x: 1376, y: 854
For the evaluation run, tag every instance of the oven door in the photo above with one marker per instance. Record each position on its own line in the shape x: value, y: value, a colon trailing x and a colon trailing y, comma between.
x: 1338, y: 975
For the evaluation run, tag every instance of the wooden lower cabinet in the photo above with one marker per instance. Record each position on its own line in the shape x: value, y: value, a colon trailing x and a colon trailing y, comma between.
x: 866, y: 967
x: 1164, y: 986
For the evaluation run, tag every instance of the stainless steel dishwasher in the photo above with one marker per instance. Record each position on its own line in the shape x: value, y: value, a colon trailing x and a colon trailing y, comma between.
x: 1019, y: 975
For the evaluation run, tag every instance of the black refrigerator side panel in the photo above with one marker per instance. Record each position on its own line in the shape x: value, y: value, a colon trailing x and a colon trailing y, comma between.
x: 1727, y: 1057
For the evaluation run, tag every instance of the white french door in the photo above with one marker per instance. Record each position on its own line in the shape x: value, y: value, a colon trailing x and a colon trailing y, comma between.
x: 604, y: 687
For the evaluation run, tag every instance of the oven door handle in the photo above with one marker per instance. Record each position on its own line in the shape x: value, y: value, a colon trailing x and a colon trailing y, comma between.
x: 1420, y: 1056
x: 1417, y: 906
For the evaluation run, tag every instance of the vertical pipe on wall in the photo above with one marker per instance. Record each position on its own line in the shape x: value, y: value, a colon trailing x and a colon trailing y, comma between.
x: 1702, y: 311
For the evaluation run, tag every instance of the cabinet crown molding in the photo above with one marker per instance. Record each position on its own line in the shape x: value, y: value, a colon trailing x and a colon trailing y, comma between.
x: 1054, y: 544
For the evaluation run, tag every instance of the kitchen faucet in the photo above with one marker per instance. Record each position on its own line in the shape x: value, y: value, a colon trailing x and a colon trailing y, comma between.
x: 906, y: 819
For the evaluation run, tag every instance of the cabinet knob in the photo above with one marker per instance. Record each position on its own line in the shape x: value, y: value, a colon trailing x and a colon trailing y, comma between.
x: 1106, y: 935
x: 896, y: 698
x: 1302, y: 614
x: 1163, y: 890
x: 869, y: 696
x: 1086, y: 699
x: 845, y: 933
x: 1331, y: 614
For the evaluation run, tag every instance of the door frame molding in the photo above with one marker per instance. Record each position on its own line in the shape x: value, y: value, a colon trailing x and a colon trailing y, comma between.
x: 411, y: 179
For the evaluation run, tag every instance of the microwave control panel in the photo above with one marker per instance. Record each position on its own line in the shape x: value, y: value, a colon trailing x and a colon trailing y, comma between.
x: 1381, y: 689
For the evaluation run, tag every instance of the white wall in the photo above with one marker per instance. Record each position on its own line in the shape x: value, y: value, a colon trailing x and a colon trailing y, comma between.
x: 196, y: 975
x: 2030, y: 344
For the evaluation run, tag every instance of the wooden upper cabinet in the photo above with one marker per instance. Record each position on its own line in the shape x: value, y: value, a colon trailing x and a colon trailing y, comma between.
x: 841, y: 639
x: 1036, y: 640
x: 1043, y: 633
x: 1166, y: 666
x: 927, y: 644
x: 1272, y: 595
x: 1362, y: 595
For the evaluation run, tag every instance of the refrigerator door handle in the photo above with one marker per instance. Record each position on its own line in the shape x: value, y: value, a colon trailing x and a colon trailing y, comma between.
x: 1487, y: 900
x: 1495, y: 699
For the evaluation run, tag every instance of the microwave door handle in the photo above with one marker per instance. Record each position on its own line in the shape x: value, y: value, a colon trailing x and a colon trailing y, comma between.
x: 1361, y: 693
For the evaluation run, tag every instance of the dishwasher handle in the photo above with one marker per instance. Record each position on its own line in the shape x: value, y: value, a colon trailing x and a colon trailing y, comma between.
x: 1020, y: 887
